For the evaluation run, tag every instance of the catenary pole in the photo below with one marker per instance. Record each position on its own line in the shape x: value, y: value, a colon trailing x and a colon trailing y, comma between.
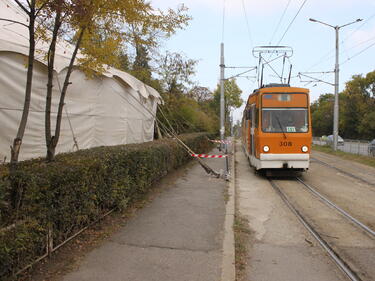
x: 337, y: 70
x: 222, y: 101
x: 336, y: 104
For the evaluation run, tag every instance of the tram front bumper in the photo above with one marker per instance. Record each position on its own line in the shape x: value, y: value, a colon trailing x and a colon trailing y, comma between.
x: 287, y: 160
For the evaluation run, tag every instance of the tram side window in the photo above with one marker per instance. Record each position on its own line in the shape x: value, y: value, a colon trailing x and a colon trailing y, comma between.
x: 256, y: 117
x: 248, y: 114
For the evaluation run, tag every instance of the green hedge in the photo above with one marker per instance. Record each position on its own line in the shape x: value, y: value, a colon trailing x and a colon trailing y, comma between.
x: 76, y: 189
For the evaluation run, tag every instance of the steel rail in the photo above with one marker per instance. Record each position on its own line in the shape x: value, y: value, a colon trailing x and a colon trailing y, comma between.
x: 330, y: 203
x: 342, y: 171
x: 336, y: 258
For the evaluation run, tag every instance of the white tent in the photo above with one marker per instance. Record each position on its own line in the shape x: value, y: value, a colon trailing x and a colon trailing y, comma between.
x: 107, y: 110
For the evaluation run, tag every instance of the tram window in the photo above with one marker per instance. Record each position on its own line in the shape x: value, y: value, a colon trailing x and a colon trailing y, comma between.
x: 248, y: 114
x: 287, y: 120
x: 256, y: 117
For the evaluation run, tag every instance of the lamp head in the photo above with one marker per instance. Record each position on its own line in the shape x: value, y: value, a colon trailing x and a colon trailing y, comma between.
x: 310, y: 19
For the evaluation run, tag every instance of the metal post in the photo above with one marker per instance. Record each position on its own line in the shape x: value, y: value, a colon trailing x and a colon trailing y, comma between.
x: 336, y: 105
x: 222, y: 113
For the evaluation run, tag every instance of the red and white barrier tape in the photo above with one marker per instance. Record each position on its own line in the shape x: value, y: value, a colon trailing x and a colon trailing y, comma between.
x: 221, y: 141
x: 209, y: 156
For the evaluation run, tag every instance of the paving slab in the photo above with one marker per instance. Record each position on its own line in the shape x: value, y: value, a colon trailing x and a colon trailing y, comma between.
x: 178, y: 236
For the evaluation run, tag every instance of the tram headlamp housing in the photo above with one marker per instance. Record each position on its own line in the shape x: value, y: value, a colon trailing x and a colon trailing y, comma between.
x: 305, y: 148
x: 266, y: 148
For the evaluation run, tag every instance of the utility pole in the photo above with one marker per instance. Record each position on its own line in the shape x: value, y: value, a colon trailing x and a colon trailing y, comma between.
x: 222, y: 101
x: 336, y: 105
x: 337, y: 70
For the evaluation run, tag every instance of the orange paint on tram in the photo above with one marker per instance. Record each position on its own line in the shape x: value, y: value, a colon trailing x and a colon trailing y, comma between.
x: 276, y: 128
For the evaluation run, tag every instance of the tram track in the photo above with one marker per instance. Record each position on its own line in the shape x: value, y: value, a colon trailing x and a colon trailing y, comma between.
x: 330, y: 248
x: 340, y: 210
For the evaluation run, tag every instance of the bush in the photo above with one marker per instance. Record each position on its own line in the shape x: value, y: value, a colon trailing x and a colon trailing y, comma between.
x: 76, y: 189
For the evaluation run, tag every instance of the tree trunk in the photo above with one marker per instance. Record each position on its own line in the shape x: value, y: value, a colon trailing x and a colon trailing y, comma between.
x: 51, y: 66
x: 17, y: 142
x: 55, y: 138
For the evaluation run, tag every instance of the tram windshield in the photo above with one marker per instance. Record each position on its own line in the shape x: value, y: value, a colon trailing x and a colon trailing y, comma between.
x: 285, y: 120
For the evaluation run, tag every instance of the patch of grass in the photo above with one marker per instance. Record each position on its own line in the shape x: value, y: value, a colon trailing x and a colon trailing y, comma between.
x: 367, y: 160
x: 241, y: 242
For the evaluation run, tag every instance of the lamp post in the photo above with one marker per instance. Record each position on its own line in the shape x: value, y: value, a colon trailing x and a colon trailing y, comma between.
x: 336, y: 105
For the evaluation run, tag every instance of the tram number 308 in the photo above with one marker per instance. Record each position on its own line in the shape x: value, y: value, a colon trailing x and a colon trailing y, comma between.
x: 286, y: 143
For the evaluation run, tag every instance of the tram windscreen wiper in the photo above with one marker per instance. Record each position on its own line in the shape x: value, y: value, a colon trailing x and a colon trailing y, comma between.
x: 281, y: 127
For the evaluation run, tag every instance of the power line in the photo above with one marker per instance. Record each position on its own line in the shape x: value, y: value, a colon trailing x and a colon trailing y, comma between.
x: 359, y: 27
x: 290, y: 24
x: 323, y: 58
x: 278, y: 24
x: 328, y: 56
x: 373, y: 44
x: 247, y: 23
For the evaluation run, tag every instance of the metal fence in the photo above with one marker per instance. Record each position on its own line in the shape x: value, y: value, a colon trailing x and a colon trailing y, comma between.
x: 360, y: 147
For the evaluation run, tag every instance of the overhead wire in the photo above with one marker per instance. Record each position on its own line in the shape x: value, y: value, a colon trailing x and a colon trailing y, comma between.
x: 280, y: 20
x: 357, y: 54
x: 247, y: 23
x: 328, y: 54
x: 170, y: 132
x: 290, y: 24
x: 359, y: 27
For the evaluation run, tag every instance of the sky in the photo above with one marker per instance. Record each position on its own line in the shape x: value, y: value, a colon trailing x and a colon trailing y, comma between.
x: 243, y: 24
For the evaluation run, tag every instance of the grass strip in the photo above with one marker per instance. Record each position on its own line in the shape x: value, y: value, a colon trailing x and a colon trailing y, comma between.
x: 366, y: 160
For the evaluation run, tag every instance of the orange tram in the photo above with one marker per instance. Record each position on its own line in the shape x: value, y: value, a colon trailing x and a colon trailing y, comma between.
x: 276, y: 128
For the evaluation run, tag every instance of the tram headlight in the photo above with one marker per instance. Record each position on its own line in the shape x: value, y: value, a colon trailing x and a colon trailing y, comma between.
x: 266, y: 148
x: 305, y: 148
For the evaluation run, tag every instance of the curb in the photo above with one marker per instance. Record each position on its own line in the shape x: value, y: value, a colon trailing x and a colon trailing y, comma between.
x: 228, y: 270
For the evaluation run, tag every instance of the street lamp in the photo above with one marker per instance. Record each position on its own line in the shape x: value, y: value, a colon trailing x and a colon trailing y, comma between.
x: 336, y: 106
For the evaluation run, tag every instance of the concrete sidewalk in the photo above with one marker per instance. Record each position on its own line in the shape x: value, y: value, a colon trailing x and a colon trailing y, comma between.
x: 178, y: 236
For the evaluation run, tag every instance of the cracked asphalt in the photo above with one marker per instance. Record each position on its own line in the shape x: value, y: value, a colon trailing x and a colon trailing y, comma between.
x: 176, y: 237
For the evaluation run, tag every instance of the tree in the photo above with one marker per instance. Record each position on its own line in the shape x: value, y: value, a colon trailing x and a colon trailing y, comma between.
x: 232, y: 97
x: 322, y: 115
x: 145, y: 37
x: 97, y: 28
x: 357, y: 107
x: 175, y: 72
x: 31, y: 8
x: 232, y: 100
x: 201, y: 94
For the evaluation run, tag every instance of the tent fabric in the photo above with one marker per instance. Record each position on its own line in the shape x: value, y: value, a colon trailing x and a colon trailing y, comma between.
x: 110, y: 109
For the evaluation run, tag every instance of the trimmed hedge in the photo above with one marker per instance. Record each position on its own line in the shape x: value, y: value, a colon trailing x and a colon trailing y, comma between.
x: 77, y: 189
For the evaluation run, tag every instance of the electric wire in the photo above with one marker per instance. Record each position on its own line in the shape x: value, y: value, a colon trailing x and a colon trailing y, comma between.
x: 169, y: 131
x: 359, y: 27
x: 357, y: 54
x: 327, y: 55
x: 290, y: 24
x: 247, y: 23
x: 280, y: 20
